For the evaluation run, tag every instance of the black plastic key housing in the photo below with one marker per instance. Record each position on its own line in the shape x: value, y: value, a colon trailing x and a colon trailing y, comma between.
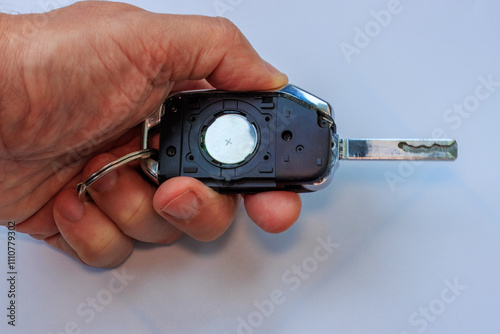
x: 294, y: 141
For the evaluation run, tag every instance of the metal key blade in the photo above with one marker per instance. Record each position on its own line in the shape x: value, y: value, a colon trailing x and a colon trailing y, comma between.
x: 398, y: 149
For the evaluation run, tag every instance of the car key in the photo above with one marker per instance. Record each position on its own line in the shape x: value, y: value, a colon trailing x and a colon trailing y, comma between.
x: 248, y: 142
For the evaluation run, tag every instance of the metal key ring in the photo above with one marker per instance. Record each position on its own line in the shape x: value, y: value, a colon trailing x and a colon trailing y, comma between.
x: 82, y: 187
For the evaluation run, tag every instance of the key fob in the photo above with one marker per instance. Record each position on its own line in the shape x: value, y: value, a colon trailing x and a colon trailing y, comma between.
x: 244, y: 142
x: 249, y: 142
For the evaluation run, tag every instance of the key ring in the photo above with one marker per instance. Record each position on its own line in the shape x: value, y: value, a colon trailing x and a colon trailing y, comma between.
x: 82, y: 187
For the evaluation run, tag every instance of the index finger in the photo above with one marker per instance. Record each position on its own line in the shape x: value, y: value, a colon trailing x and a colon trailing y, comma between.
x: 200, y: 47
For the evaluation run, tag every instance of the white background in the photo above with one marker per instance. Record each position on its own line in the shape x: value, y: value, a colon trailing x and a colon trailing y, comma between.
x: 398, y: 246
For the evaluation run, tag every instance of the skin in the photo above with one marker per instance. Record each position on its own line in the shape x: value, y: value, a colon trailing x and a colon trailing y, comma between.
x: 75, y: 83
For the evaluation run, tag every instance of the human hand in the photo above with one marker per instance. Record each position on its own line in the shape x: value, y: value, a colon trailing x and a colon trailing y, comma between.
x: 71, y: 98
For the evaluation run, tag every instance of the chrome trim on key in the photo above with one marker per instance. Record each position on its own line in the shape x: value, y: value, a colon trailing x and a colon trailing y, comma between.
x: 151, y: 127
x: 308, y: 98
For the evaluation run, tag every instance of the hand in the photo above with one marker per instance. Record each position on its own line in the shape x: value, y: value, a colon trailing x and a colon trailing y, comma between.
x: 73, y: 89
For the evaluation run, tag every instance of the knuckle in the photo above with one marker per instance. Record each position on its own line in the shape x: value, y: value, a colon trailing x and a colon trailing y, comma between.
x: 225, y: 30
x: 225, y: 23
x: 135, y: 213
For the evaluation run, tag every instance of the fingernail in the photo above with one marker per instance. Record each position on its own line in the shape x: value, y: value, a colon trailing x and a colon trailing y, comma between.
x: 72, y: 208
x: 105, y: 183
x: 183, y: 207
x: 280, y: 78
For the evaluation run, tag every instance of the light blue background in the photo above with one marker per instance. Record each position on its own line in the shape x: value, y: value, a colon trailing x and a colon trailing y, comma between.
x: 397, y: 248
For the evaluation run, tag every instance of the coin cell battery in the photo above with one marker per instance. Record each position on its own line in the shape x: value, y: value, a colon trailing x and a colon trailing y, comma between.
x: 230, y: 139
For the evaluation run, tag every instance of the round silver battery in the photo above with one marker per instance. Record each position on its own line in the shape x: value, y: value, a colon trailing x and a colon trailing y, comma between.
x: 230, y: 139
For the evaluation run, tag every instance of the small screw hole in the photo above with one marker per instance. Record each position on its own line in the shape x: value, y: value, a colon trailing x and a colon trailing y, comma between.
x: 287, y: 135
x: 171, y: 151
